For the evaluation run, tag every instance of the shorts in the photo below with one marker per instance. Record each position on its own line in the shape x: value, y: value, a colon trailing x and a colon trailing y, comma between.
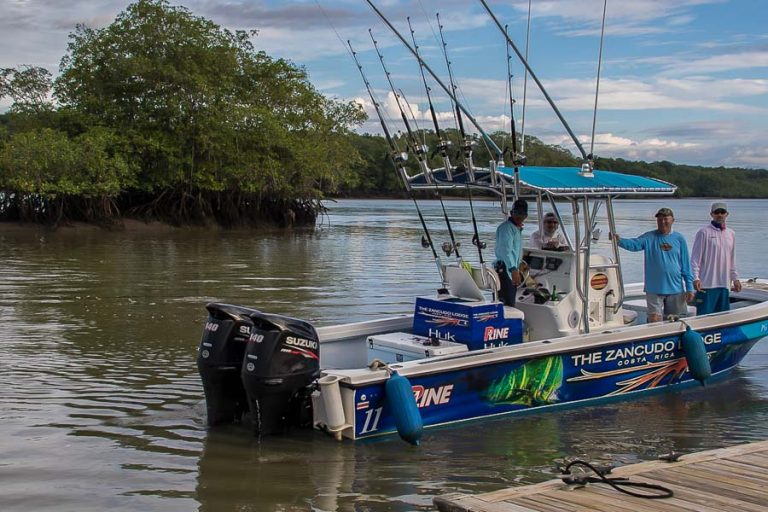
x: 712, y: 300
x: 668, y: 304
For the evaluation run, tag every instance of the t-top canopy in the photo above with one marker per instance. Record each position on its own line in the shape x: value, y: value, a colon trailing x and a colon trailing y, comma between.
x: 559, y: 181
x: 570, y: 180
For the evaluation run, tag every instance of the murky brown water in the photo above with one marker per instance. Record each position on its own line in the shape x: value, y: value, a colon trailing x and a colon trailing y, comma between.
x: 101, y: 406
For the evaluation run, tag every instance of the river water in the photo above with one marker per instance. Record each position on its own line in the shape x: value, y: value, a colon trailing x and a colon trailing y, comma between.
x: 101, y: 406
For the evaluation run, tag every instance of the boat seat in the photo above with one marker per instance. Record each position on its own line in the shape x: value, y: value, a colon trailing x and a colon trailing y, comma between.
x: 461, y: 284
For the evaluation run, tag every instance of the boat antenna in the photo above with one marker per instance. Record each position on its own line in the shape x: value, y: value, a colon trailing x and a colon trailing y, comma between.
x: 471, y: 118
x: 591, y: 155
x: 418, y: 149
x: 538, y: 83
x: 525, y: 80
x: 442, y: 144
x: 398, y: 158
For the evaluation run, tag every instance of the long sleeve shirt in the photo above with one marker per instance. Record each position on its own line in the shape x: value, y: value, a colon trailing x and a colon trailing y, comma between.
x: 667, y: 262
x: 713, y: 257
x: 509, y: 245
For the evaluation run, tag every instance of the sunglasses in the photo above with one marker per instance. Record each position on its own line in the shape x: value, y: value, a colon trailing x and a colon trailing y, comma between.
x: 720, y: 211
x: 550, y: 222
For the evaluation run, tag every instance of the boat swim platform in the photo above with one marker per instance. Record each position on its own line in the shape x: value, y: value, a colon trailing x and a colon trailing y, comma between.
x: 732, y: 479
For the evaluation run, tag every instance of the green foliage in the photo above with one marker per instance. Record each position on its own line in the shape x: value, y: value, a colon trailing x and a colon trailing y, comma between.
x: 203, y: 109
x: 27, y: 86
x: 172, y: 117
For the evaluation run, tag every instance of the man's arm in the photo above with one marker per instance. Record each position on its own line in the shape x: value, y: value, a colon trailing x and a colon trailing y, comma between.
x: 734, y: 275
x: 685, y: 267
x: 633, y: 244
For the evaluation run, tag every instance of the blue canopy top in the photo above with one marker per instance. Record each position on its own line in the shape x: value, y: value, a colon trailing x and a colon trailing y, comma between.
x: 570, y: 180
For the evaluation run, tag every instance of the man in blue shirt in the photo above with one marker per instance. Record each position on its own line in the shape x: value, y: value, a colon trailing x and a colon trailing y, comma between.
x: 509, y: 251
x: 668, y: 276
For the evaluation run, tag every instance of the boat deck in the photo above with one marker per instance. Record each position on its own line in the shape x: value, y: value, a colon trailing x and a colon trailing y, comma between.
x: 733, y: 479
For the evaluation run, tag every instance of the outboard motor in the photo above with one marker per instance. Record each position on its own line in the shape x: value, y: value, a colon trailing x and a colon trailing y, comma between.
x: 220, y: 358
x: 281, y: 364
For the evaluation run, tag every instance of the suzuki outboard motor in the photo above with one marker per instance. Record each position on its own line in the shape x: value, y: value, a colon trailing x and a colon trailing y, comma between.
x: 220, y: 358
x: 281, y: 364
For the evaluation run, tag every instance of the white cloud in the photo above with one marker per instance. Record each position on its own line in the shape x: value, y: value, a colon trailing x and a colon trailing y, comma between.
x: 755, y: 157
x: 718, y: 63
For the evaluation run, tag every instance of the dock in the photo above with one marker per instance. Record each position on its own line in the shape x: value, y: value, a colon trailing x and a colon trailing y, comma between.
x: 733, y: 479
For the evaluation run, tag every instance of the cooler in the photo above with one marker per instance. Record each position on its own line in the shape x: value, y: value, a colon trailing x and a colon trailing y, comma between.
x: 397, y: 347
x: 477, y: 324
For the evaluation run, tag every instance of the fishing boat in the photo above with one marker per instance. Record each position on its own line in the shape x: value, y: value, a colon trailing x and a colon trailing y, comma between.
x: 576, y: 335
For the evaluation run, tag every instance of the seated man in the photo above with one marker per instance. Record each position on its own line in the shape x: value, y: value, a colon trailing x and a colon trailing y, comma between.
x: 551, y: 239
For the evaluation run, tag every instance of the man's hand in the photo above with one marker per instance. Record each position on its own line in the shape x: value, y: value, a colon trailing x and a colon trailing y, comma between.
x: 689, y: 296
x: 697, y: 285
x: 736, y: 285
x: 614, y: 236
x: 516, y: 279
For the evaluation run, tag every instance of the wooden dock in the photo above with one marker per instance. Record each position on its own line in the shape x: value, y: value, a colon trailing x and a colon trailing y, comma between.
x: 732, y: 479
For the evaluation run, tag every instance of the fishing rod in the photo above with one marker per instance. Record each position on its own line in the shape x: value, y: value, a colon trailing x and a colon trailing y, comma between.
x: 525, y: 80
x: 486, y: 137
x: 398, y: 157
x: 517, y: 159
x: 538, y: 83
x: 443, y: 147
x: 466, y: 142
x: 420, y: 150
x: 442, y: 144
x: 453, y: 246
x: 476, y: 237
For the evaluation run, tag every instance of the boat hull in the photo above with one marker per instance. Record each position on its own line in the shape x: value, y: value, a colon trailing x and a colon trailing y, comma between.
x: 475, y: 390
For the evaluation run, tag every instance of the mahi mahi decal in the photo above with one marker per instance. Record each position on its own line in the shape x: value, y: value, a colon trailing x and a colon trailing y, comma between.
x: 534, y: 383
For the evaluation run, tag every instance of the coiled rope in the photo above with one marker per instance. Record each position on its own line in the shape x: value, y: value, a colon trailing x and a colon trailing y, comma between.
x: 618, y: 483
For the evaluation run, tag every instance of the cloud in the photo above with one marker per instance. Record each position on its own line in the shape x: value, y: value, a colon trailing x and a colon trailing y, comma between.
x: 754, y: 157
x: 625, y: 19
x: 719, y: 63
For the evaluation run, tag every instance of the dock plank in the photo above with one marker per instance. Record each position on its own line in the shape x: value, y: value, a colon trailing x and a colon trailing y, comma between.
x: 733, y: 479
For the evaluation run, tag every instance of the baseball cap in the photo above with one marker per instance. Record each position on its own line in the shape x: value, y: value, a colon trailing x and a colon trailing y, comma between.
x: 664, y: 212
x: 718, y: 206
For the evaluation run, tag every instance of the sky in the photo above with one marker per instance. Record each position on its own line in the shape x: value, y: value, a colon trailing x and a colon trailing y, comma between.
x: 680, y: 80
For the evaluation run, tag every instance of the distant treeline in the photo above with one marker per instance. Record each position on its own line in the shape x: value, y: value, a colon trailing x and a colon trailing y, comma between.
x: 163, y: 115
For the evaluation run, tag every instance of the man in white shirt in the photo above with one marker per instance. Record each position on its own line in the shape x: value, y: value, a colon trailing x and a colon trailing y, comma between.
x: 551, y: 239
x: 713, y: 263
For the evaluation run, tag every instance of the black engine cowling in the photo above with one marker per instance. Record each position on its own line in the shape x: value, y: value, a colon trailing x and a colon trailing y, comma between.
x: 220, y: 358
x: 279, y: 368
